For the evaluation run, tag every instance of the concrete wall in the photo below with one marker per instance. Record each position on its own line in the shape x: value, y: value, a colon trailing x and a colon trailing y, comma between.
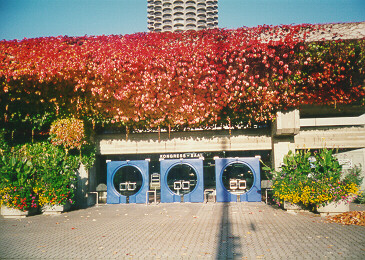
x: 288, y: 132
x: 331, y: 137
x: 194, y: 141
x: 354, y: 157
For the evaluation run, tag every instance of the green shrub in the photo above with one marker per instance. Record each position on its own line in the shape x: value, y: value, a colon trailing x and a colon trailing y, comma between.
x: 39, y: 173
x: 56, y: 172
x: 361, y: 198
x: 313, y: 179
x: 354, y: 176
x: 17, y: 182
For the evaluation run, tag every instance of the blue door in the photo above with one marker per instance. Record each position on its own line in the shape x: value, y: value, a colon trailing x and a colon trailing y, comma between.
x: 238, y: 177
x: 127, y: 181
x: 182, y: 178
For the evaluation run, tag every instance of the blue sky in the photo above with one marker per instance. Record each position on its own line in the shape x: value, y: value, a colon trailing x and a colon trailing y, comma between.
x: 39, y: 18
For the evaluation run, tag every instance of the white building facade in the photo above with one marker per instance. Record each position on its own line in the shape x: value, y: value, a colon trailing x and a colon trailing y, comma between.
x: 181, y: 15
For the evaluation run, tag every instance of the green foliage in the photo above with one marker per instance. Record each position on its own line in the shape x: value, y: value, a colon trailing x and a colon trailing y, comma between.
x: 39, y: 173
x: 17, y: 181
x: 325, y: 165
x: 3, y: 143
x: 56, y: 171
x: 313, y: 179
x: 361, y: 198
x: 354, y: 176
x: 88, y: 152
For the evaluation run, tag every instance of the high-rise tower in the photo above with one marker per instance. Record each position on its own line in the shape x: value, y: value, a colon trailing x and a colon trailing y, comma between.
x: 180, y: 15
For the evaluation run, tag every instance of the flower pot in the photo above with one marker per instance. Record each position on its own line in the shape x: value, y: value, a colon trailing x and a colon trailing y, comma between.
x: 7, y: 212
x: 334, y: 208
x: 55, y: 209
x: 291, y: 207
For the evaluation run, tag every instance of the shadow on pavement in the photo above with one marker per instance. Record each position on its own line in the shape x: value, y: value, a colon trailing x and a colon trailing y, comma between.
x: 227, y: 242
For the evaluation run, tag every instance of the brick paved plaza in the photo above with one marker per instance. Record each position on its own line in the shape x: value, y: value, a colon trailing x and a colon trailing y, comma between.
x: 180, y: 231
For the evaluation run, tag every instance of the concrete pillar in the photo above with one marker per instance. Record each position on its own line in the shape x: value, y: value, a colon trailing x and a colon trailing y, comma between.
x: 91, y: 197
x: 82, y: 187
x: 86, y: 182
x: 284, y: 128
x: 92, y: 178
x: 280, y: 147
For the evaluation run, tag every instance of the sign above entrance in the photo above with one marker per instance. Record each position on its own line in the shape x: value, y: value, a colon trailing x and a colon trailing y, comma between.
x: 181, y: 155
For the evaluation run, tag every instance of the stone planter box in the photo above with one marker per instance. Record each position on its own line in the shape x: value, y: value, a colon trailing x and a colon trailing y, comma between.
x: 290, y: 207
x: 55, y: 209
x: 16, y: 213
x: 333, y: 208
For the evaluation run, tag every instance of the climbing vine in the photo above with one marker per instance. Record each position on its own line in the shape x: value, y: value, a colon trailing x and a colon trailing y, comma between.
x: 177, y: 80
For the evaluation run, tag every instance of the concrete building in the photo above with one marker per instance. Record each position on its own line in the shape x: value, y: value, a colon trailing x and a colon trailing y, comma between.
x: 309, y: 127
x: 181, y: 15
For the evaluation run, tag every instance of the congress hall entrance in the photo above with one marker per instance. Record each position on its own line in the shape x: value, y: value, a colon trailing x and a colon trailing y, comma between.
x: 182, y: 177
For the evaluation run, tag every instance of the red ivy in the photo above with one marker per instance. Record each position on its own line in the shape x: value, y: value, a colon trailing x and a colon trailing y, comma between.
x: 150, y: 80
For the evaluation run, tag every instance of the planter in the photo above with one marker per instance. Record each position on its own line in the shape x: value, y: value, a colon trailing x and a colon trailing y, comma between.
x: 55, y: 209
x: 16, y: 213
x: 290, y: 207
x: 333, y: 208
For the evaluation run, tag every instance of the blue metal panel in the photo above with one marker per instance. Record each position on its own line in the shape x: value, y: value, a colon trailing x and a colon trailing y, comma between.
x: 254, y: 194
x: 223, y: 195
x: 167, y: 195
x: 113, y: 196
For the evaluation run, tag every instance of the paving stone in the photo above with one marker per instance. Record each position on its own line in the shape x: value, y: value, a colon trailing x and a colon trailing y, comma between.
x: 180, y: 231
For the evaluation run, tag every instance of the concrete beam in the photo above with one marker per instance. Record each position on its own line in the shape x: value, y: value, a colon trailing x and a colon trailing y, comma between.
x: 194, y: 141
x: 333, y: 121
x: 331, y: 137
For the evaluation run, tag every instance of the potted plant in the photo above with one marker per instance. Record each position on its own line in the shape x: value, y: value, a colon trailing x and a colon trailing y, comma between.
x: 43, y: 174
x: 343, y: 192
x: 17, y: 197
x: 56, y: 176
x: 288, y: 183
x: 313, y: 180
x: 58, y: 187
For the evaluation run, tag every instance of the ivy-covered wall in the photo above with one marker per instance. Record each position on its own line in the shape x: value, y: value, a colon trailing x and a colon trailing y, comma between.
x: 176, y: 81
